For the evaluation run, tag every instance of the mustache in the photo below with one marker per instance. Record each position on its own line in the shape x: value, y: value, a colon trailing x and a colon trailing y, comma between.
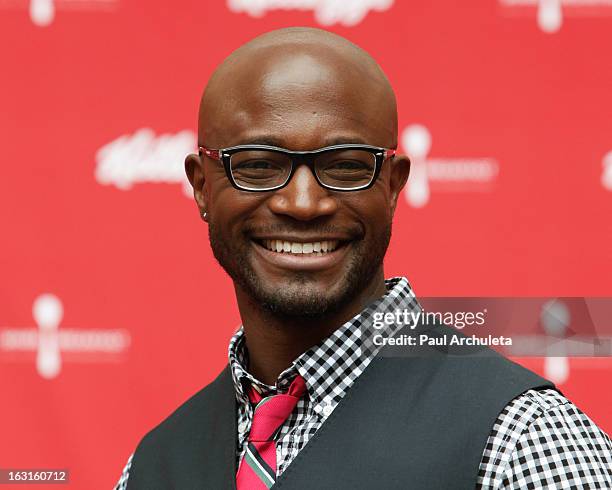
x: 356, y: 232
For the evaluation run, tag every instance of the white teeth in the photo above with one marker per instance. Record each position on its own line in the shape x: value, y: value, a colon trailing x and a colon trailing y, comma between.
x: 301, y: 248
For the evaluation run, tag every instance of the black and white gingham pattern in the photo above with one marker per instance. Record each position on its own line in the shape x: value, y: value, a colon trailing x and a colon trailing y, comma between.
x: 329, y: 370
x: 540, y: 440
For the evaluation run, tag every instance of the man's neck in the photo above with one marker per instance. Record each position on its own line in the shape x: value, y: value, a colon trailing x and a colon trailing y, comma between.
x: 275, y: 342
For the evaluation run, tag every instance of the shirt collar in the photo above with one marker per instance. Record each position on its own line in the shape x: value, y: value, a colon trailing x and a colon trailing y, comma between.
x: 330, y: 367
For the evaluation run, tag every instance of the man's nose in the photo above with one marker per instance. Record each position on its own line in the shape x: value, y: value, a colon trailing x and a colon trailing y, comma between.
x: 303, y: 198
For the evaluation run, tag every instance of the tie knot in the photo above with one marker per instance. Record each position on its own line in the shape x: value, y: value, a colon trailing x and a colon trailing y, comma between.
x: 272, y: 411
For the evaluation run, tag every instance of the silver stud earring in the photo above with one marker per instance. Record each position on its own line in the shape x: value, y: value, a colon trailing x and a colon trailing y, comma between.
x: 204, y: 215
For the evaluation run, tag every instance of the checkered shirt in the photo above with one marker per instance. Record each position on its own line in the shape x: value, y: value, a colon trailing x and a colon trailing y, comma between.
x: 329, y: 369
x: 540, y: 440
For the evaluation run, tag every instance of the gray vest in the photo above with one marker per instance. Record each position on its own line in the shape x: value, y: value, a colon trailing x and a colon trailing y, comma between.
x: 420, y: 422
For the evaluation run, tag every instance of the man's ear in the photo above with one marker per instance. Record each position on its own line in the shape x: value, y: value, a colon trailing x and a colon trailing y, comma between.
x: 400, y: 170
x: 195, y: 173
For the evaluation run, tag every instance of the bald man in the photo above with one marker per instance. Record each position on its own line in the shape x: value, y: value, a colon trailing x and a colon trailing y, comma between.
x: 298, y: 179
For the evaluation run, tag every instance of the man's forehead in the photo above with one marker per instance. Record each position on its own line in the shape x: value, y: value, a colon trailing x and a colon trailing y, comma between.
x: 288, y: 86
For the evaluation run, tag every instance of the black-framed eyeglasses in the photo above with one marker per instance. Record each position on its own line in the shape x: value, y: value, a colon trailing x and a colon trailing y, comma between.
x: 260, y: 168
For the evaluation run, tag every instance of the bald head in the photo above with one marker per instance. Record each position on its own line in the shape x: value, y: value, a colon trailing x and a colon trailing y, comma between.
x: 297, y: 79
x: 300, y: 89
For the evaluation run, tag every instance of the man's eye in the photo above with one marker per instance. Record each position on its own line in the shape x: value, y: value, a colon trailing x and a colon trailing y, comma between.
x: 347, y: 165
x: 256, y: 165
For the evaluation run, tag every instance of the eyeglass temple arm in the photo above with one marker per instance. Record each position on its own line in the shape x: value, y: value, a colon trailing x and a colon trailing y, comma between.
x: 215, y: 154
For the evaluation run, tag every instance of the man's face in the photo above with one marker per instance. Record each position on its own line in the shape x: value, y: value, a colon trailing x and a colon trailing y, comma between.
x: 300, y: 104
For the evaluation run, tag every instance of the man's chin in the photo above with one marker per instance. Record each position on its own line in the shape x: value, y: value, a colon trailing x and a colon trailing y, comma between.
x: 300, y: 297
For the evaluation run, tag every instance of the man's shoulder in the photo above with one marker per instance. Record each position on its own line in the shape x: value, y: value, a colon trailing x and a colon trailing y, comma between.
x: 194, y: 410
x: 545, y: 411
x: 542, y: 437
x: 524, y: 412
x: 181, y: 440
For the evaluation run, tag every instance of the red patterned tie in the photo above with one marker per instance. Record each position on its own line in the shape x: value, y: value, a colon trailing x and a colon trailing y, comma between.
x: 258, y: 466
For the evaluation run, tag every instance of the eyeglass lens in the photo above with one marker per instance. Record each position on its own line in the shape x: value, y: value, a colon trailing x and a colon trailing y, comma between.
x: 342, y: 168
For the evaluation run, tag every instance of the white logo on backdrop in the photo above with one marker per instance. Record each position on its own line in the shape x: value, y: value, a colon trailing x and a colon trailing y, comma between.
x: 326, y: 12
x: 556, y: 318
x: 48, y: 341
x: 606, y: 175
x: 448, y: 174
x: 566, y: 336
x: 550, y: 13
x: 144, y: 157
x: 42, y: 12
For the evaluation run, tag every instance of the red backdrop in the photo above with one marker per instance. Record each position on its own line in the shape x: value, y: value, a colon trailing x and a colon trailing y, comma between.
x: 112, y: 309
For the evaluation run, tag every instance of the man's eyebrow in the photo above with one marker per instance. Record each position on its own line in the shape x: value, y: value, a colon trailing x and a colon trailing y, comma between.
x: 273, y: 141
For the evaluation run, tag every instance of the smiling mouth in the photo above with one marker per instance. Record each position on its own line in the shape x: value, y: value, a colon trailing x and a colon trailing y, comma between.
x: 319, y: 248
